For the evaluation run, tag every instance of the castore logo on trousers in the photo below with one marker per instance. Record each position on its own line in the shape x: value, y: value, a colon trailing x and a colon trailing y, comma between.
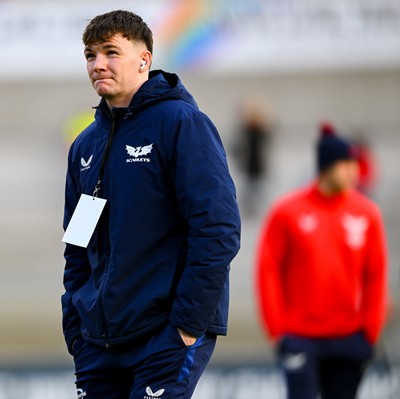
x: 152, y: 395
x: 81, y: 393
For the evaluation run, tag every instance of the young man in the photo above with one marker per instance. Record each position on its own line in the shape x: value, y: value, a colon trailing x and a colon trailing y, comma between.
x: 145, y: 300
x: 321, y: 278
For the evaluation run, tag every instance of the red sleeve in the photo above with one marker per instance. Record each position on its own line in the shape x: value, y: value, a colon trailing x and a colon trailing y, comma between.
x: 375, y: 291
x: 268, y: 275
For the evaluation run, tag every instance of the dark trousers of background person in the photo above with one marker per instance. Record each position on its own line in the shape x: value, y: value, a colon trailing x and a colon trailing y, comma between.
x: 331, y: 368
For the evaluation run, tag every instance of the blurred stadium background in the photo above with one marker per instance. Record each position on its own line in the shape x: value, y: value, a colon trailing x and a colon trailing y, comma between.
x: 303, y: 61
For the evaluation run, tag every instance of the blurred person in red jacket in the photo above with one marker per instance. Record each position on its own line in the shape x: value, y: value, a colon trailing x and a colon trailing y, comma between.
x: 321, y: 277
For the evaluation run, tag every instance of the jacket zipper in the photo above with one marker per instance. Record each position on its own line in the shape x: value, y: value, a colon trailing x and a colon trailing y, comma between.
x: 103, y: 294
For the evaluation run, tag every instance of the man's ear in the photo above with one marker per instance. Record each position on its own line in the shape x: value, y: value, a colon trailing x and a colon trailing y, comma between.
x: 145, y: 63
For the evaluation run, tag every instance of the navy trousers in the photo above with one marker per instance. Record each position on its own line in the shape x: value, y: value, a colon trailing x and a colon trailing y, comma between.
x: 331, y: 368
x: 158, y: 366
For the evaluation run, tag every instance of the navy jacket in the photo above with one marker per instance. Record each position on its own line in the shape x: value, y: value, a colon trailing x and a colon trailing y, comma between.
x: 162, y: 248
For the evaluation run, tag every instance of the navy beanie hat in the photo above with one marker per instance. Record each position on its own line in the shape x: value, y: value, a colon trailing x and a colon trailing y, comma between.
x: 331, y: 148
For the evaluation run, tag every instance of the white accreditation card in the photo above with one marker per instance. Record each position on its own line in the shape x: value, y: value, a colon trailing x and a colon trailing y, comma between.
x: 84, y: 220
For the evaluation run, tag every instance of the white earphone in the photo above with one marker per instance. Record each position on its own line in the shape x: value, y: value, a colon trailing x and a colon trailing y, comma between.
x: 143, y: 64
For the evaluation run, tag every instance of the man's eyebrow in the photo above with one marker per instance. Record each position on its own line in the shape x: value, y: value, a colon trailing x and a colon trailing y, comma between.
x: 110, y: 45
x: 88, y: 49
x: 107, y: 46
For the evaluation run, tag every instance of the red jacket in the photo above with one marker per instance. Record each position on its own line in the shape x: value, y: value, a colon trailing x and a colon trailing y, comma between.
x: 322, y: 266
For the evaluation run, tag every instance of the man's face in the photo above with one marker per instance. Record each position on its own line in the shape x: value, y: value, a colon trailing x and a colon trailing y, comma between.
x: 114, y: 69
x: 342, y: 175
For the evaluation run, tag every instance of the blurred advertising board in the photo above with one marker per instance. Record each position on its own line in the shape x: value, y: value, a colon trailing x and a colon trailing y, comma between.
x: 43, y: 38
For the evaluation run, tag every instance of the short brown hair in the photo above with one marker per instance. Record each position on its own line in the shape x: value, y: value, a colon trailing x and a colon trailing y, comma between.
x: 128, y: 24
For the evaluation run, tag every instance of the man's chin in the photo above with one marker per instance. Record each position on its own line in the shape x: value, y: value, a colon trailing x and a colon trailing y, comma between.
x: 101, y: 89
x: 102, y: 93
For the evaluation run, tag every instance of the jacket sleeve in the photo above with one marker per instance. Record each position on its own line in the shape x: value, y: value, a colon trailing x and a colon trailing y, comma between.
x: 77, y: 267
x: 375, y: 290
x: 268, y: 275
x: 207, y: 202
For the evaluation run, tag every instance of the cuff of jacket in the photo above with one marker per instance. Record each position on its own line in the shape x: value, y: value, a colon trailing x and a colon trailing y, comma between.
x: 188, y: 329
x: 70, y: 339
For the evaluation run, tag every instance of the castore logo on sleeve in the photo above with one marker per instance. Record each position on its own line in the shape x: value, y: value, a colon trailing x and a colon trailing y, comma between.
x: 86, y: 164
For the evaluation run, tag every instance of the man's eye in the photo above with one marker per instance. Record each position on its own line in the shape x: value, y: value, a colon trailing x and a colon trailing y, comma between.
x: 89, y: 56
x: 112, y: 52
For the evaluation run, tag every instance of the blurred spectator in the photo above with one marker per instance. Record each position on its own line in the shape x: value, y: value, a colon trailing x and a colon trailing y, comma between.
x: 251, y: 153
x: 76, y: 123
x: 321, y: 278
x: 366, y: 164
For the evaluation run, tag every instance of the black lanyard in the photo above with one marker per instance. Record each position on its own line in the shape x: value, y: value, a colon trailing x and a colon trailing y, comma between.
x: 106, y: 154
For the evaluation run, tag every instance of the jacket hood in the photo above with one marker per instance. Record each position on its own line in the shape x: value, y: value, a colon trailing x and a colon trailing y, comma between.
x: 160, y: 86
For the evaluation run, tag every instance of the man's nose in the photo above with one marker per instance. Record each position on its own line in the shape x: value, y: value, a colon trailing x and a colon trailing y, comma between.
x: 100, y: 63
